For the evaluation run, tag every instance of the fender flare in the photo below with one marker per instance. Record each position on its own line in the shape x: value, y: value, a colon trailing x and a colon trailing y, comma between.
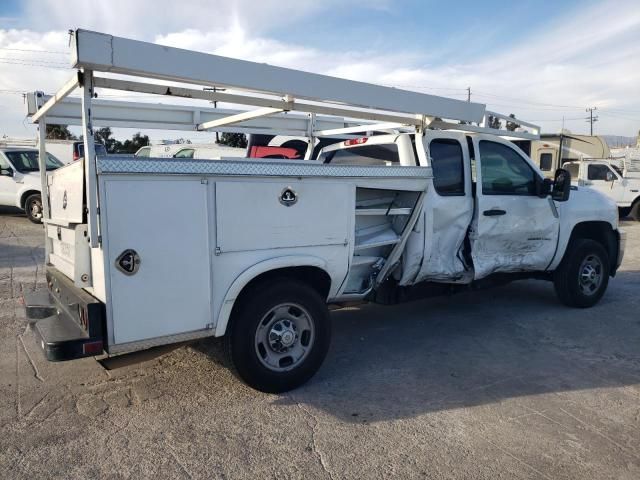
x: 21, y: 194
x: 252, y: 272
x: 565, y: 239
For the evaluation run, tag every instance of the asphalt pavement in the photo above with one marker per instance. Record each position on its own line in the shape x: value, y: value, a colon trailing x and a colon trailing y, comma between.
x: 503, y: 383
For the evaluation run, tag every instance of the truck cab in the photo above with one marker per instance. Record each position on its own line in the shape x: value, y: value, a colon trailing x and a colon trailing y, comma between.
x: 490, y: 209
x: 610, y: 180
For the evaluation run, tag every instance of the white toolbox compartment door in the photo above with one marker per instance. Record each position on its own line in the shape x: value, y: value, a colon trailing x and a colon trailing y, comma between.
x: 66, y: 187
x: 165, y: 222
x: 251, y: 216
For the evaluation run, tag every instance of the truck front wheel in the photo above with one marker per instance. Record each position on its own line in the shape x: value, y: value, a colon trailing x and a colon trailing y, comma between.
x: 279, y: 335
x: 583, y: 275
x: 33, y: 208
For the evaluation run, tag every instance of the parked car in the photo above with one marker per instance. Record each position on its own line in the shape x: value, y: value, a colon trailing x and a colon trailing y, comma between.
x: 70, y: 150
x: 20, y: 180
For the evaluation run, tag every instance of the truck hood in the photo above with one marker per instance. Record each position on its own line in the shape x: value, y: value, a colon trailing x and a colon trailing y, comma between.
x: 587, y: 204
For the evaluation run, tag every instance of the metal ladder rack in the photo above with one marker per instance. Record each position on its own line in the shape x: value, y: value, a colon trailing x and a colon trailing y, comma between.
x: 332, y: 107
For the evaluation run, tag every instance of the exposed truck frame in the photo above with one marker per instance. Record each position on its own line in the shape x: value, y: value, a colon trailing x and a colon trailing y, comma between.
x: 225, y: 238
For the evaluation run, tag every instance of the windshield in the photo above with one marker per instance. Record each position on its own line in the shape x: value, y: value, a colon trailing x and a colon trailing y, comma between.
x: 27, y: 161
x: 381, y: 154
x: 100, y: 149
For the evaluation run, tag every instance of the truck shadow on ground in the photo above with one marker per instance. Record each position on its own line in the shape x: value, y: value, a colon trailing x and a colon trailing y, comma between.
x: 13, y: 255
x: 474, y: 349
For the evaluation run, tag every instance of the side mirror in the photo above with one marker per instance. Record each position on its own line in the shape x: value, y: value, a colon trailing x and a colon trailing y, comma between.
x: 561, y: 185
x: 610, y: 176
x: 6, y: 172
x: 543, y: 187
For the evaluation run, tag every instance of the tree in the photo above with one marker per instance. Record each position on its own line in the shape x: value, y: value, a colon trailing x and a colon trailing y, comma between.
x: 238, y: 140
x: 133, y: 145
x: 494, y: 122
x: 103, y: 135
x: 59, y: 132
x: 512, y: 126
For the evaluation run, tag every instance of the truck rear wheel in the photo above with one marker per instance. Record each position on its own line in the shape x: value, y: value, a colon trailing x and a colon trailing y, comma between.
x: 279, y: 335
x: 583, y: 275
x: 33, y: 208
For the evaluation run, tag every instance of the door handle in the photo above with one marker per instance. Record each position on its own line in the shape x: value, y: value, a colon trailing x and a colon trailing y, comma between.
x: 493, y: 213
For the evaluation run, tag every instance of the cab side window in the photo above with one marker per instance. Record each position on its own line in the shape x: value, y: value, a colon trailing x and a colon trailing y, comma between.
x: 504, y: 171
x: 185, y: 153
x: 448, y: 167
x: 597, y: 172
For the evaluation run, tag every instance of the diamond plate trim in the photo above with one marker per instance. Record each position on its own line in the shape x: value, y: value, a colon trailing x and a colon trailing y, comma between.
x: 157, y: 341
x: 268, y: 168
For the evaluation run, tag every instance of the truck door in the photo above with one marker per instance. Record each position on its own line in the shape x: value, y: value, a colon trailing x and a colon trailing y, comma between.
x: 605, y: 179
x: 513, y: 229
x: 434, y: 251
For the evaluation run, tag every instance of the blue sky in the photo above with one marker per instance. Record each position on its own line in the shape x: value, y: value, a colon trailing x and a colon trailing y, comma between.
x: 541, y: 60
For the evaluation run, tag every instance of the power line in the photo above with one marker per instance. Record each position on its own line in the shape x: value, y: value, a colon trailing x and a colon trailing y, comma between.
x: 31, y: 64
x: 52, y: 52
x: 424, y: 87
x: 33, y: 60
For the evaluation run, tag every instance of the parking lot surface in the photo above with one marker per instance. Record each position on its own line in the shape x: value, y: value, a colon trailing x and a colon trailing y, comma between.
x: 504, y: 383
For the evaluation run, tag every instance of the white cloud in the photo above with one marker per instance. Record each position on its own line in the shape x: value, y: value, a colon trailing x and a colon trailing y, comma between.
x: 586, y: 59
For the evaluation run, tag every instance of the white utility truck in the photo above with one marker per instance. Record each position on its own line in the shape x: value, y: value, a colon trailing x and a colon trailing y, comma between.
x: 617, y: 178
x: 146, y: 251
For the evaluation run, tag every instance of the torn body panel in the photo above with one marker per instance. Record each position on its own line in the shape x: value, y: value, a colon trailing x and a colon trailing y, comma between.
x: 524, y: 238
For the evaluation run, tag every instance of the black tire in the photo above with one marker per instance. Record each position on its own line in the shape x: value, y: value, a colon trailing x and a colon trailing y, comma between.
x: 624, y: 211
x: 634, y: 211
x: 33, y: 208
x: 249, y: 355
x: 572, y: 281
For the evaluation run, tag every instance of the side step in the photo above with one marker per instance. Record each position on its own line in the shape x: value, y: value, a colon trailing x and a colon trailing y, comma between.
x: 68, y: 322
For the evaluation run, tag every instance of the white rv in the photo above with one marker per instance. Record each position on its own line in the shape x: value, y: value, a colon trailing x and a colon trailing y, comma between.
x: 552, y: 151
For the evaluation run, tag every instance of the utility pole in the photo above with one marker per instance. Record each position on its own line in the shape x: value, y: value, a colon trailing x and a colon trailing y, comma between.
x: 468, y: 94
x: 591, y: 119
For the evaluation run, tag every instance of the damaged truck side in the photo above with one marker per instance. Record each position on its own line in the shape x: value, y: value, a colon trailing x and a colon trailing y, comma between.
x: 146, y: 252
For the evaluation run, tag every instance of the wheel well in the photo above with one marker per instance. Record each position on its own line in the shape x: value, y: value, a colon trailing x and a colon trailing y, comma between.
x: 26, y: 195
x: 602, y: 233
x: 315, y: 277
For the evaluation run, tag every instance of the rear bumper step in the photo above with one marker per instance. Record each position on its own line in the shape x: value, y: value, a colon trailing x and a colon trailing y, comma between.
x: 68, y: 322
x: 63, y: 339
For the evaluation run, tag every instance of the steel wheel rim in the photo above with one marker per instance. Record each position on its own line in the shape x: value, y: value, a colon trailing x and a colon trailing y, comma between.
x: 284, y: 337
x: 35, y: 209
x: 590, y: 275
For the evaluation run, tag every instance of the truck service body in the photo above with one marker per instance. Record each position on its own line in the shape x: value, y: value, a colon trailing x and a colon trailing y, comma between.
x: 149, y: 251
